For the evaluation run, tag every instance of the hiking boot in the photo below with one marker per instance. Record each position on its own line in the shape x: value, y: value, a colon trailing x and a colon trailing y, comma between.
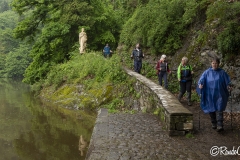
x: 214, y: 126
x: 189, y: 98
x: 180, y: 95
x: 219, y: 128
x: 189, y: 103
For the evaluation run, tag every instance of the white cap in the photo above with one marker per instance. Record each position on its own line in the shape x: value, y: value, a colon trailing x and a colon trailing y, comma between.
x: 163, y: 56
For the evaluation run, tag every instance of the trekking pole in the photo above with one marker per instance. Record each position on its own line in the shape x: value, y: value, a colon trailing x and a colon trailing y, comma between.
x: 199, y: 119
x: 231, y: 107
x: 199, y: 115
x: 199, y: 110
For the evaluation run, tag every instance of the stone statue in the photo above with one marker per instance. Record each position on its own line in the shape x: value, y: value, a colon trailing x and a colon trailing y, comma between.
x: 82, y: 41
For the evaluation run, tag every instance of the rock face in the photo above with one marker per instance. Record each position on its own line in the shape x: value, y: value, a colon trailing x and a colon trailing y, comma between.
x: 233, y: 69
x: 234, y: 72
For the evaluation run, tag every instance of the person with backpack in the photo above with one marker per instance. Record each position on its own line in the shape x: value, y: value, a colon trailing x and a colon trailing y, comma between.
x: 214, y: 86
x: 184, y: 75
x: 162, y: 70
x: 137, y: 55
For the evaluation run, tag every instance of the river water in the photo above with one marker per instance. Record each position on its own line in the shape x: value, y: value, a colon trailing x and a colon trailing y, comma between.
x: 30, y: 130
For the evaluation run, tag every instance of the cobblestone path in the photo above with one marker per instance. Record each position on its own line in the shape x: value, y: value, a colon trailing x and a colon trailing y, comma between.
x: 138, y: 136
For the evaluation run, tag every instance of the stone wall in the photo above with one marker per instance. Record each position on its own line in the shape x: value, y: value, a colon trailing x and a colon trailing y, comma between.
x: 176, y: 118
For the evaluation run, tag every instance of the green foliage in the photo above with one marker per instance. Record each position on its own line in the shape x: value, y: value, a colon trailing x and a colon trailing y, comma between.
x: 109, y: 23
x: 157, y: 111
x: 223, y: 18
x: 148, y: 70
x: 189, y: 135
x: 125, y: 8
x: 159, y: 25
x: 223, y: 12
x: 4, y: 6
x: 2, y: 64
x: 88, y: 80
x: 17, y: 61
x: 202, y: 38
x: 14, y: 54
x: 173, y: 85
x: 138, y: 95
x: 8, y: 20
x: 54, y: 27
x: 58, y: 25
x: 217, y: 10
x: 115, y: 105
x: 45, y: 52
x: 92, y: 67
x: 229, y: 39
x: 130, y: 111
x: 195, y: 97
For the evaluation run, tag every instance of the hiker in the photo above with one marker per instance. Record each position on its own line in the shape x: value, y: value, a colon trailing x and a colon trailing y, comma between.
x: 162, y: 68
x: 137, y: 55
x: 107, y: 51
x: 213, y: 88
x: 184, y: 75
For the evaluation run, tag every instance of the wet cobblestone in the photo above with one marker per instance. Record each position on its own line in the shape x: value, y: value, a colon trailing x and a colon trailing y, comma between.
x: 136, y: 136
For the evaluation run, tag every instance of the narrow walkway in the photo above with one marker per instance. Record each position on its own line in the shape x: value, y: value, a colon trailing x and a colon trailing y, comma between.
x: 138, y: 136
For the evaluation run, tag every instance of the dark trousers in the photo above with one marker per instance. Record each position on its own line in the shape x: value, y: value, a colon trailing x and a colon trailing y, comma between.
x: 105, y: 54
x: 163, y: 76
x: 217, y: 118
x: 137, y: 66
x: 185, y: 86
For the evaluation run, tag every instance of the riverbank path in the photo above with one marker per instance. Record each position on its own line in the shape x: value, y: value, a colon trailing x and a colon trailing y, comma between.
x: 125, y: 136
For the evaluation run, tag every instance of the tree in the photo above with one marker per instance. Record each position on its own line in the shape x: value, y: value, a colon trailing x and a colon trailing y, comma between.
x: 11, y: 55
x: 8, y: 21
x: 159, y: 25
x: 2, y: 64
x: 4, y: 6
x: 17, y: 61
x: 54, y: 28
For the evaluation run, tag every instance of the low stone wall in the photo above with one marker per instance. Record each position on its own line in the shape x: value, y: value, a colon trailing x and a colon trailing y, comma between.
x: 177, y: 119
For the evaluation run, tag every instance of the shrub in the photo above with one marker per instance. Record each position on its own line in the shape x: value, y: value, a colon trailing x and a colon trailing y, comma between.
x: 229, y: 39
x: 96, y: 80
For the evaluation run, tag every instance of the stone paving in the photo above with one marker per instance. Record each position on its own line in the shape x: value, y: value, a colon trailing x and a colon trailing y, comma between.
x: 125, y: 136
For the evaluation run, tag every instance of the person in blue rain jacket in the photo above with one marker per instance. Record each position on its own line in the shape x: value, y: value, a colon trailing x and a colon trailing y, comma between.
x: 213, y: 86
x: 107, y: 51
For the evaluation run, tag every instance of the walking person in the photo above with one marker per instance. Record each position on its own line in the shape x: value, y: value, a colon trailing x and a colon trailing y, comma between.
x: 107, y: 51
x: 162, y: 68
x: 184, y: 75
x: 137, y: 55
x: 213, y: 85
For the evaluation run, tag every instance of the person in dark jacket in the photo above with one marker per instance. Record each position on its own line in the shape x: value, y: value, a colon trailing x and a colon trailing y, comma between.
x: 214, y: 85
x: 184, y: 75
x: 137, y: 56
x: 162, y: 68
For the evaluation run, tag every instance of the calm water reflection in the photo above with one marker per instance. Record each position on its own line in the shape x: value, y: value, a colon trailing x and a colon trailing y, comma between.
x: 32, y: 131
